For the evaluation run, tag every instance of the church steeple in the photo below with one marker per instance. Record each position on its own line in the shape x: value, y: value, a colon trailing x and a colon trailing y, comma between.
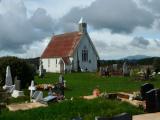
x: 82, y: 26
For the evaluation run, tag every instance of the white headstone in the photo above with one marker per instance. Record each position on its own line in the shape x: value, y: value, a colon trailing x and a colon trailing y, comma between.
x: 40, y: 69
x: 61, y: 79
x: 65, y: 84
x: 125, y: 69
x: 8, y: 81
x: 37, y: 96
x: 32, y: 88
x: 17, y: 92
x: 115, y: 67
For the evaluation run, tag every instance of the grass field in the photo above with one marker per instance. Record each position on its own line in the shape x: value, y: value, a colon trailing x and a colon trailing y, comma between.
x: 83, y: 83
x: 67, y: 110
x: 80, y: 84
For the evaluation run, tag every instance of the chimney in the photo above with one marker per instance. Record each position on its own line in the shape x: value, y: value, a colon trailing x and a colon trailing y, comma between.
x: 82, y: 26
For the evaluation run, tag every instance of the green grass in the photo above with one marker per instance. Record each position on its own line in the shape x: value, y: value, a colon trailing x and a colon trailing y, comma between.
x: 67, y: 110
x: 80, y: 84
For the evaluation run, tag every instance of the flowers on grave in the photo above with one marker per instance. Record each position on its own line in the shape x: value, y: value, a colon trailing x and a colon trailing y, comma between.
x: 44, y: 86
x: 96, y: 92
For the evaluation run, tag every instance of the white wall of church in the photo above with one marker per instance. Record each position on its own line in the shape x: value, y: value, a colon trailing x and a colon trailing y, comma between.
x: 51, y: 65
x: 91, y: 64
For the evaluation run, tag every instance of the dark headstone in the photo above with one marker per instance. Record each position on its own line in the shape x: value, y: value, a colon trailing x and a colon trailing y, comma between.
x: 145, y: 88
x: 102, y: 118
x: 78, y: 118
x: 152, y: 100
x: 112, y: 96
x: 18, y: 85
x: 123, y: 116
x: 58, y: 89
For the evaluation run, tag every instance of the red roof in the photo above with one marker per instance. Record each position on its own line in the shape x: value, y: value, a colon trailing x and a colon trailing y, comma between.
x: 62, y: 45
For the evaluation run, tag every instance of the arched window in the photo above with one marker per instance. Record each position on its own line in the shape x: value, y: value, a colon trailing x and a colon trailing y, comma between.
x: 84, y: 54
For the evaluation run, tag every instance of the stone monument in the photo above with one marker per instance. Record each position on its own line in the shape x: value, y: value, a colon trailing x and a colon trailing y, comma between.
x: 32, y: 88
x: 41, y: 72
x: 115, y: 67
x: 37, y: 96
x: 9, y: 87
x: 17, y: 92
x: 61, y: 79
x: 125, y: 69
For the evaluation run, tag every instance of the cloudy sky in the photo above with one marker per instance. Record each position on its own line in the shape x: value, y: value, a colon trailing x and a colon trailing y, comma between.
x: 118, y: 28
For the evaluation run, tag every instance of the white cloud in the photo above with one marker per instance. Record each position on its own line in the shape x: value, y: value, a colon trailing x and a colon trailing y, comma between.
x: 56, y: 8
x: 115, y: 46
x: 18, y: 30
x: 26, y: 25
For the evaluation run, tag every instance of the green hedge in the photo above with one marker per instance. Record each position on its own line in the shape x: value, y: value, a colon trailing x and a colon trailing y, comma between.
x: 19, y: 67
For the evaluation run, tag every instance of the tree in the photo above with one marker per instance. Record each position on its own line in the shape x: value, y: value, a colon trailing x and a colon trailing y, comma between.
x: 19, y: 67
x: 156, y: 64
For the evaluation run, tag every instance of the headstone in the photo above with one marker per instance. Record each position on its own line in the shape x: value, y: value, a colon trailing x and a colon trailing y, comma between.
x: 50, y: 98
x: 131, y: 72
x: 37, y: 96
x: 17, y: 85
x: 61, y: 79
x: 78, y: 118
x: 8, y: 81
x: 32, y: 88
x: 122, y: 116
x: 17, y: 92
x: 115, y: 67
x: 145, y: 88
x: 58, y: 89
x: 125, y: 69
x: 41, y: 72
x: 101, y: 118
x: 65, y: 84
x: 50, y: 92
x: 112, y: 95
x: 152, y: 100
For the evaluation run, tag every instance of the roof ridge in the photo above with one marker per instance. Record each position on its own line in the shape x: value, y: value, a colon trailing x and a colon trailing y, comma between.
x: 67, y: 33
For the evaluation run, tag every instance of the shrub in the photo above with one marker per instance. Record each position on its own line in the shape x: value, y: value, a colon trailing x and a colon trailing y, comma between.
x: 156, y: 64
x: 19, y: 68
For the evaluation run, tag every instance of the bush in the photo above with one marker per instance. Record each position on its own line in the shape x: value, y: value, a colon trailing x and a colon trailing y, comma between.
x: 19, y: 67
x: 156, y: 65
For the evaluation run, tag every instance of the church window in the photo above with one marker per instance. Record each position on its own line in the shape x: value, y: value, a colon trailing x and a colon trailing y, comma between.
x: 84, y: 54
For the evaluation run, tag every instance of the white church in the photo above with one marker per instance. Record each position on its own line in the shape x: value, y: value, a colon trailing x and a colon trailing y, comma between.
x: 70, y: 51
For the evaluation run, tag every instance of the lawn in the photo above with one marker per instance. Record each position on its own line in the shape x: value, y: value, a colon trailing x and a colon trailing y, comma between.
x: 67, y: 110
x: 79, y: 84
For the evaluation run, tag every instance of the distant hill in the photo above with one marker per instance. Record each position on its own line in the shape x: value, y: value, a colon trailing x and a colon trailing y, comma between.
x: 142, y: 61
x: 136, y: 57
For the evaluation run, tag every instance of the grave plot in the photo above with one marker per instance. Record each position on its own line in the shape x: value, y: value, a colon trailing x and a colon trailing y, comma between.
x: 25, y: 106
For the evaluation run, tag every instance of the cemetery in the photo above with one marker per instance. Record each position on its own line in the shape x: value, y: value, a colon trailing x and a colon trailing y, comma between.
x: 55, y: 93
x: 116, y: 91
